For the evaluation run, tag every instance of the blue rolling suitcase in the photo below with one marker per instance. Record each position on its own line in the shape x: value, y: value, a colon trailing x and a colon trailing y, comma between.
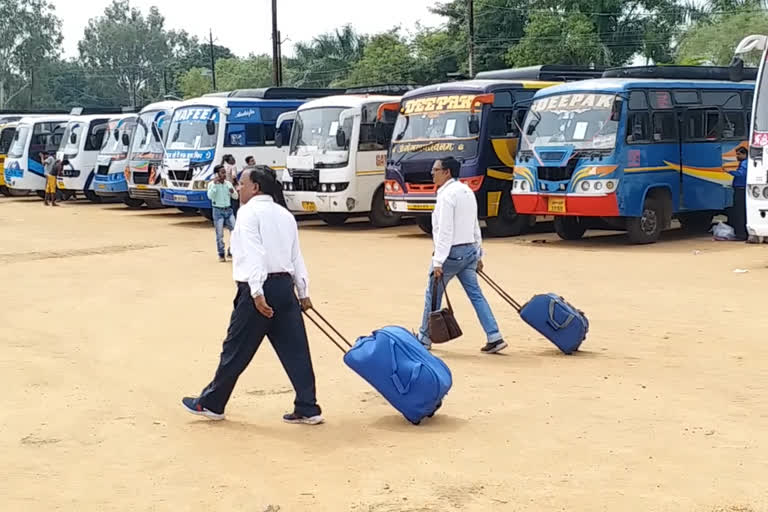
x: 552, y: 316
x: 393, y: 361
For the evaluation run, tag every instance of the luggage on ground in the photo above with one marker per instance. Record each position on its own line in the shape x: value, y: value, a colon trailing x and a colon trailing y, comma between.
x: 398, y: 366
x: 551, y: 315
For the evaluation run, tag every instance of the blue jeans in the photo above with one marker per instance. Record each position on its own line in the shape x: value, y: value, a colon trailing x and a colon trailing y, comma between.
x: 222, y: 217
x: 461, y: 263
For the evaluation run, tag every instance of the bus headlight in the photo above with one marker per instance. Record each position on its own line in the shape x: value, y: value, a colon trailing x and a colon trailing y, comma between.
x: 333, y: 187
x: 585, y: 186
x: 598, y: 186
x: 765, y: 192
x: 755, y: 191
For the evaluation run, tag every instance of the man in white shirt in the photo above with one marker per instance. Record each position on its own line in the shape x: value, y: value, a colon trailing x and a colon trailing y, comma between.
x: 458, y: 251
x: 266, y: 264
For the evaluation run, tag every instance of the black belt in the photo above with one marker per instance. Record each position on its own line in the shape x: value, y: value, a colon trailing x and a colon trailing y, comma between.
x: 462, y: 245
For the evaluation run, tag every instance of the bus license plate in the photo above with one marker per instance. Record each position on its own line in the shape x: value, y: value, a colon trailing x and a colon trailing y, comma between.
x: 141, y: 187
x: 556, y: 204
x: 179, y: 198
x: 421, y: 207
x: 309, y: 206
x: 102, y: 187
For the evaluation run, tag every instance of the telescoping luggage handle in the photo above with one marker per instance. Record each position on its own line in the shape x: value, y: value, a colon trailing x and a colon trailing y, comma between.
x: 498, y: 289
x: 330, y: 326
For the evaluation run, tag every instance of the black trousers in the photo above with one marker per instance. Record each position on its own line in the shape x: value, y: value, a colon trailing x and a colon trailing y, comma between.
x: 286, y: 332
x: 737, y: 215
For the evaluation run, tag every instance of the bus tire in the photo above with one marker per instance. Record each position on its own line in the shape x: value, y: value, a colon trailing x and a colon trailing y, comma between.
x: 570, y: 228
x: 696, y: 222
x: 647, y: 228
x: 207, y: 213
x: 187, y: 210
x: 4, y: 190
x: 153, y: 204
x: 131, y: 202
x: 40, y: 193
x: 507, y: 222
x: 334, y: 219
x: 425, y: 224
x: 381, y: 216
x: 91, y: 196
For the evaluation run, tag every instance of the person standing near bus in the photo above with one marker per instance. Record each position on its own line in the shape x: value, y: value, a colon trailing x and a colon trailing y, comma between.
x: 49, y: 164
x: 270, y: 273
x: 221, y: 192
x: 230, y: 166
x: 737, y: 217
x: 458, y: 251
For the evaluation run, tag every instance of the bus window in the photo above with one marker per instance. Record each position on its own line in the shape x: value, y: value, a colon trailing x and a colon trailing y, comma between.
x: 638, y: 101
x: 638, y: 127
x: 724, y: 99
x: 702, y: 124
x: 661, y: 100
x: 6, y: 137
x: 664, y: 127
x: 96, y: 136
x: 368, y: 140
x: 501, y: 124
x: 684, y: 97
x: 734, y: 125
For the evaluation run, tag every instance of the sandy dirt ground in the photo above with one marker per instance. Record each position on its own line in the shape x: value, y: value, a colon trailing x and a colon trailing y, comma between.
x: 109, y: 316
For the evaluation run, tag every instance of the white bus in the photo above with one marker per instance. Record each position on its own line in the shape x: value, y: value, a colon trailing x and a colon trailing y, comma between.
x: 335, y: 163
x: 202, y: 130
x: 112, y: 161
x: 23, y: 168
x: 146, y: 154
x: 78, y: 152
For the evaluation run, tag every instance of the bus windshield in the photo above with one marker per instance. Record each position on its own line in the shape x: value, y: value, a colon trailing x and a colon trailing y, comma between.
x: 144, y: 141
x: 19, y: 143
x: 189, y: 128
x: 70, y: 144
x: 6, y: 138
x: 586, y: 121
x: 316, y: 129
x: 429, y: 126
x: 113, y: 138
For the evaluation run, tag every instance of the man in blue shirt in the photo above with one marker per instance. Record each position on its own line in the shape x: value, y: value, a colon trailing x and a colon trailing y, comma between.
x: 737, y: 217
x: 221, y: 192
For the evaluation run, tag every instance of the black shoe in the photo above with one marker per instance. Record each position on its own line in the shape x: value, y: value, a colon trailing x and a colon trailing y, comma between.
x: 295, y: 419
x: 193, y: 406
x: 222, y: 259
x: 229, y: 253
x: 492, y: 348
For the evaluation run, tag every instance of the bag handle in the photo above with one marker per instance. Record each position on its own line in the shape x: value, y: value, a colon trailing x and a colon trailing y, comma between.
x: 330, y: 326
x: 401, y: 388
x: 554, y: 323
x: 498, y: 289
x: 445, y: 292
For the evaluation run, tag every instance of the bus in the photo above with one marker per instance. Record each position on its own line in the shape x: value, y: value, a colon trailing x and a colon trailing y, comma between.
x: 7, y: 131
x: 757, y: 168
x: 112, y: 162
x: 336, y: 162
x: 23, y: 167
x: 146, y: 154
x: 203, y: 130
x: 475, y: 121
x: 634, y: 149
x: 80, y: 146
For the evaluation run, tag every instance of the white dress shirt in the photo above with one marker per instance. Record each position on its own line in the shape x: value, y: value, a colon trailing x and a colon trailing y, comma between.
x: 266, y: 241
x: 454, y: 220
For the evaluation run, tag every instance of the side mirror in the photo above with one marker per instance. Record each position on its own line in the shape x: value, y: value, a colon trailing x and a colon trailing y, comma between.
x: 341, y: 138
x: 126, y: 140
x: 116, y: 134
x: 278, y: 139
x: 210, y: 127
x: 530, y: 128
x: 73, y: 139
x: 156, y: 132
x: 474, y: 125
x: 736, y: 69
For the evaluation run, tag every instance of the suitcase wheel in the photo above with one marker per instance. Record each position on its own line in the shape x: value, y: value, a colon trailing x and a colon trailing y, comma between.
x: 439, y: 405
x: 415, y: 422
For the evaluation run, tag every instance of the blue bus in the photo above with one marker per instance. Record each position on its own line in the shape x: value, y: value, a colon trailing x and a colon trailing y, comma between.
x: 240, y: 123
x: 633, y: 150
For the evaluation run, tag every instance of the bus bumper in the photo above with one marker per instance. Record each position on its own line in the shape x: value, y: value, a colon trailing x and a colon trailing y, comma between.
x: 181, y: 198
x: 576, y: 205
x: 411, y: 204
x: 110, y: 185
x: 145, y: 192
x: 329, y: 202
x: 757, y: 213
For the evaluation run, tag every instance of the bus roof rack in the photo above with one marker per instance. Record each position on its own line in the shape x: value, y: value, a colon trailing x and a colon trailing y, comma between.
x: 282, y: 93
x: 385, y: 89
x: 550, y: 72
x: 722, y: 73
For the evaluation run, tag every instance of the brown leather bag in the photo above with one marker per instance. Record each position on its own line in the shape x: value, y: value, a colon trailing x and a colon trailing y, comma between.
x: 443, y: 326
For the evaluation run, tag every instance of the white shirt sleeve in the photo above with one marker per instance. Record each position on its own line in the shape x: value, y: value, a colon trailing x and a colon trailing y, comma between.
x: 232, y: 191
x: 478, y: 239
x: 300, y: 276
x: 444, y: 238
x: 253, y: 253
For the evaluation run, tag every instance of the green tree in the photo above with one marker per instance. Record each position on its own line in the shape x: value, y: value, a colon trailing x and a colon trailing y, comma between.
x: 195, y: 82
x: 233, y: 73
x: 131, y: 47
x: 554, y: 38
x: 713, y: 41
x: 387, y: 58
x: 437, y: 54
x: 31, y: 35
x: 326, y: 58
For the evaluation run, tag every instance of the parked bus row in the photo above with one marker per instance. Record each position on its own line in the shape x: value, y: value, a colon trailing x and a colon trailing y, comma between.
x: 628, y: 149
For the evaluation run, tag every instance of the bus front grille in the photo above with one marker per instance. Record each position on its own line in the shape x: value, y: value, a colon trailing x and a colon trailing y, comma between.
x: 555, y: 173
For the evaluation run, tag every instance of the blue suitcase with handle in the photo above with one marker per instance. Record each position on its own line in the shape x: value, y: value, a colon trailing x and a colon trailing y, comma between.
x: 558, y: 321
x: 551, y: 315
x: 393, y: 361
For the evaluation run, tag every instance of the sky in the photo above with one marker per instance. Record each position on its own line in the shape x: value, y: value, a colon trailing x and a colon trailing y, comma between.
x: 245, y: 26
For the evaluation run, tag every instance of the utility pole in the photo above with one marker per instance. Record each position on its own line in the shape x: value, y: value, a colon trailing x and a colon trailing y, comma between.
x: 471, y: 17
x: 213, y: 61
x: 279, y: 58
x: 275, y: 47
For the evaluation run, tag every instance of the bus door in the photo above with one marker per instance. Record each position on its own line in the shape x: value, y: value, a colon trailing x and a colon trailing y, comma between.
x: 701, y: 160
